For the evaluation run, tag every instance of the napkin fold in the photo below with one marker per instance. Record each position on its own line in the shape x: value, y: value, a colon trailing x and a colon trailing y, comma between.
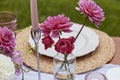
x: 32, y: 75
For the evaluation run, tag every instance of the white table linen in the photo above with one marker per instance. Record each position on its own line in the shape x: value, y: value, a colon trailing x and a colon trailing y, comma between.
x: 32, y: 75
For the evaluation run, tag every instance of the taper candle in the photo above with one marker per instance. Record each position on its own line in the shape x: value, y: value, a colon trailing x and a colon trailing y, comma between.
x: 34, y: 15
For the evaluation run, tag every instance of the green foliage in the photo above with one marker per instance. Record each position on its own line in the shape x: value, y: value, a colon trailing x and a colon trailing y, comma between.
x: 54, y: 7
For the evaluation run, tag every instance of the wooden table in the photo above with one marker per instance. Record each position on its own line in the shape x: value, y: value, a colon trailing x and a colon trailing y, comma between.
x: 116, y: 58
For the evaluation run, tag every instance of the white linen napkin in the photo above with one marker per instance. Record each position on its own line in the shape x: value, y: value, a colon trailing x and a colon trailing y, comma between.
x: 32, y: 75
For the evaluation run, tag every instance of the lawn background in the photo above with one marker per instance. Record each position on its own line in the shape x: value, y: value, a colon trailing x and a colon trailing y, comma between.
x: 46, y: 8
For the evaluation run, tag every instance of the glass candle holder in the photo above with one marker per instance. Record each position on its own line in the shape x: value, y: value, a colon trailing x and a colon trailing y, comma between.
x: 95, y: 76
x: 9, y: 20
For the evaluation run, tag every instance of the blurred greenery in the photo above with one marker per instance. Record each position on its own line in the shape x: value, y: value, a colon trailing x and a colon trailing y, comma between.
x: 54, y: 7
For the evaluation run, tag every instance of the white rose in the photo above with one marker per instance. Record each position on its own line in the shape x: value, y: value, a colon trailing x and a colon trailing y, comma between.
x: 7, y: 69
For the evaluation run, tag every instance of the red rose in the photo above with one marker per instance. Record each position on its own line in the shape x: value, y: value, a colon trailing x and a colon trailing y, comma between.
x: 47, y: 41
x: 65, y: 45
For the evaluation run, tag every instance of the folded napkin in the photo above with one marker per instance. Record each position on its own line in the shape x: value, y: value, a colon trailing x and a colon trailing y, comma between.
x: 32, y: 75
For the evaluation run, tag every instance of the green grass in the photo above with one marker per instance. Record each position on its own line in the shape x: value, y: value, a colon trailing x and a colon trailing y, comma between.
x: 46, y: 8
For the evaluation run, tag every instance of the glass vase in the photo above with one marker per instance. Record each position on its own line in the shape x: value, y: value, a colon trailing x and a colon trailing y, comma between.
x: 64, y: 66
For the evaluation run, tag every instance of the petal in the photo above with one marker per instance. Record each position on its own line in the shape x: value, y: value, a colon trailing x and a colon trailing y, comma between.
x: 67, y: 30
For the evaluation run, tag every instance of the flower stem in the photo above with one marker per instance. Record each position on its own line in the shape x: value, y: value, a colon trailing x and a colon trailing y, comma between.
x: 64, y: 62
x: 81, y: 28
x: 59, y: 37
x: 60, y: 33
x: 22, y: 73
x: 67, y: 66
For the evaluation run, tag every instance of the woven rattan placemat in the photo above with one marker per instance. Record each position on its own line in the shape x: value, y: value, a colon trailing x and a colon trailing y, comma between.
x: 99, y: 57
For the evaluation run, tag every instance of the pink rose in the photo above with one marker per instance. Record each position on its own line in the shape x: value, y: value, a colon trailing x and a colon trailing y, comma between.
x: 65, y: 46
x: 47, y: 41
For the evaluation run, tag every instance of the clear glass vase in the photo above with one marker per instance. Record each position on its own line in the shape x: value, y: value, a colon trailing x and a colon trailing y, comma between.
x: 64, y: 67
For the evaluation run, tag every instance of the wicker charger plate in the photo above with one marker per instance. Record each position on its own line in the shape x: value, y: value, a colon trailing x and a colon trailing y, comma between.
x: 99, y: 57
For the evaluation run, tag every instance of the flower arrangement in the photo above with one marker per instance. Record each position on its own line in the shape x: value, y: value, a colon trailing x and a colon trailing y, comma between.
x: 54, y: 26
x: 7, y: 48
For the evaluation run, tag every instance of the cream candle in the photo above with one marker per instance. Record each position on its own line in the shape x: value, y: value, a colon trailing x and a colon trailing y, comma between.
x: 34, y: 15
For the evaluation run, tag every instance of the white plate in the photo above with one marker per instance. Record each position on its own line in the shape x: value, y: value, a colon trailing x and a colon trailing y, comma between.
x: 113, y: 74
x: 87, y: 42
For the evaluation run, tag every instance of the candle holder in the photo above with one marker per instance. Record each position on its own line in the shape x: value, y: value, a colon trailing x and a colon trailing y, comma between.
x: 95, y: 76
x: 36, y: 37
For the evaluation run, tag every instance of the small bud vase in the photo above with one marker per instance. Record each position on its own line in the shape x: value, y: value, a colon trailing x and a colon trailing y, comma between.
x: 64, y: 66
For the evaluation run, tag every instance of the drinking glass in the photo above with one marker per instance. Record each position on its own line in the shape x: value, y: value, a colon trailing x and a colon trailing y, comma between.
x: 9, y: 20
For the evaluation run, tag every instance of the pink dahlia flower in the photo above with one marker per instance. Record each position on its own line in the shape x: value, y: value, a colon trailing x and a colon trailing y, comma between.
x: 92, y: 10
x: 7, y: 40
x: 54, y: 25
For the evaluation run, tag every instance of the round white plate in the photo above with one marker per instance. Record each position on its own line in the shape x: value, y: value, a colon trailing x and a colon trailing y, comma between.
x: 113, y: 74
x: 87, y: 42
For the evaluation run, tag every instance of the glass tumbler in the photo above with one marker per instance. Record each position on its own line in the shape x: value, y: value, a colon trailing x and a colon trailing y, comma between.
x: 9, y: 20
